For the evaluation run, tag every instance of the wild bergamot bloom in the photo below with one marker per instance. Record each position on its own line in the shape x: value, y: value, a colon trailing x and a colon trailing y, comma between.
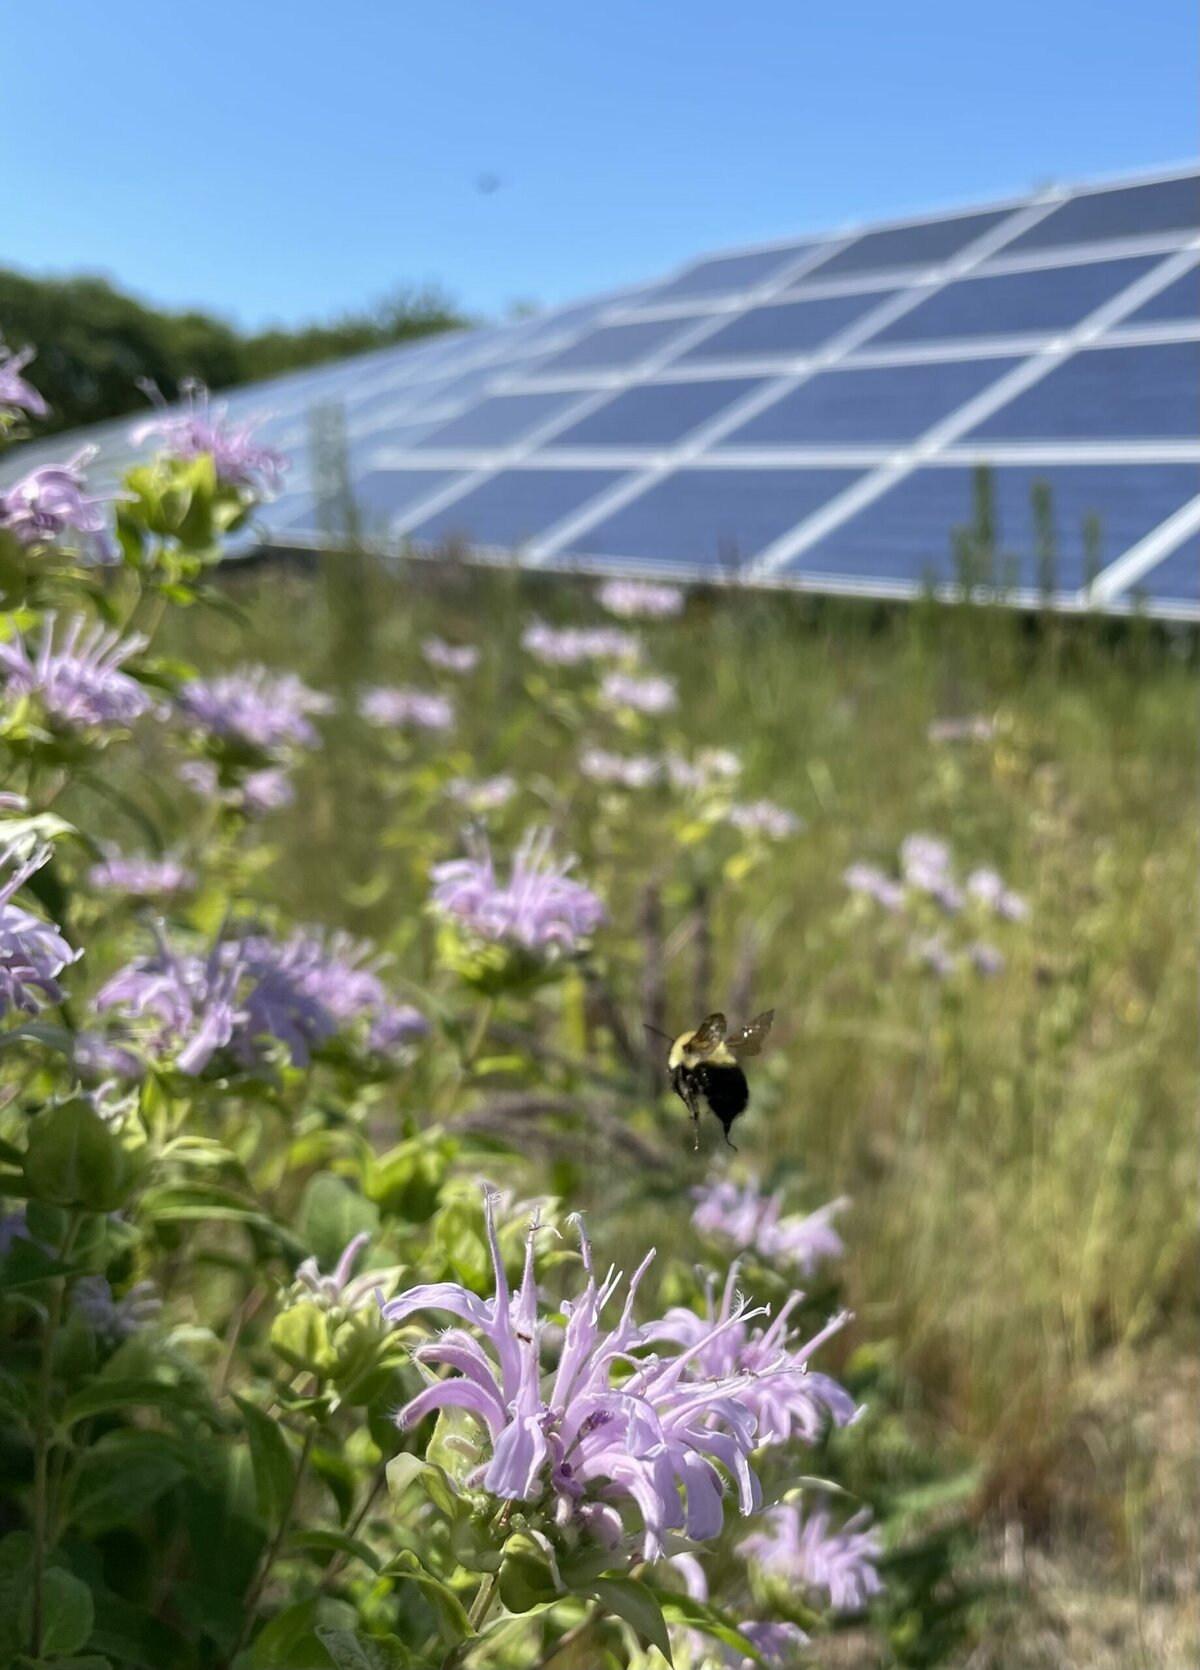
x: 78, y: 682
x: 16, y: 392
x: 629, y: 599
x: 605, y: 1434
x: 33, y: 953
x: 393, y: 708
x: 203, y: 430
x: 808, y: 1552
x: 255, y: 709
x: 755, y: 1221
x: 50, y: 504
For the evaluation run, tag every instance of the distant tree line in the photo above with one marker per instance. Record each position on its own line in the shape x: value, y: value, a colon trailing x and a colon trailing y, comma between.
x: 95, y: 343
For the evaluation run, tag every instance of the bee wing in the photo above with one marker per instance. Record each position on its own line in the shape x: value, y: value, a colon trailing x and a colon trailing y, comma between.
x: 750, y: 1038
x: 707, y: 1035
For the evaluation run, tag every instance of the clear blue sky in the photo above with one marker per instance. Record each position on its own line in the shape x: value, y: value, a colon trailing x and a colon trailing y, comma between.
x: 284, y: 161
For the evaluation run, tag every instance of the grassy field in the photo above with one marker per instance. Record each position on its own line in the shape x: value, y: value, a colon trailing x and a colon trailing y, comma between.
x: 1019, y: 1149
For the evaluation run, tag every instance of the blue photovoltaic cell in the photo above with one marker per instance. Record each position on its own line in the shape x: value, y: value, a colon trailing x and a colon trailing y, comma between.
x: 784, y: 328
x: 711, y: 518
x: 1106, y: 394
x: 1176, y: 576
x: 1000, y: 304
x: 925, y: 245
x: 379, y: 496
x: 497, y: 421
x: 877, y: 404
x: 616, y: 345
x: 508, y: 510
x: 730, y: 274
x: 656, y: 414
x: 1129, y: 212
x: 907, y: 532
x: 1178, y: 301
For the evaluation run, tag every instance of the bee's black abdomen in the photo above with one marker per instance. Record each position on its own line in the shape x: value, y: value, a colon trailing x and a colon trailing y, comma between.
x: 724, y: 1089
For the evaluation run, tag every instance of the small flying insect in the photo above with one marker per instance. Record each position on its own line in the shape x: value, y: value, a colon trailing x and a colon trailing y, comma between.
x: 704, y: 1067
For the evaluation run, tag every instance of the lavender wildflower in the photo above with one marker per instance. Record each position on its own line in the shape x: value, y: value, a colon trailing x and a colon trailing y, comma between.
x: 871, y: 881
x: 762, y: 817
x: 709, y: 767
x: 485, y: 795
x: 259, y: 792
x: 540, y: 908
x: 111, y: 1319
x: 787, y: 1400
x: 337, y: 1291
x: 926, y: 865
x: 49, y: 504
x: 141, y: 878
x: 423, y: 709
x: 637, y: 772
x: 631, y: 598
x: 749, y: 1219
x: 584, y: 1443
x: 450, y: 658
x: 190, y: 1002
x: 988, y: 887
x: 936, y: 954
x: 13, y: 1227
x: 571, y: 645
x: 16, y: 394
x: 254, y: 708
x: 808, y: 1553
x: 986, y: 959
x: 643, y: 695
x: 33, y: 953
x: 95, y: 1056
x: 202, y: 430
x: 79, y: 684
x: 395, y: 1027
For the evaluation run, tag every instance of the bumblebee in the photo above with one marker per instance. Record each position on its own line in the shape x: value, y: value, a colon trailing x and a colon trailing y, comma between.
x: 704, y: 1067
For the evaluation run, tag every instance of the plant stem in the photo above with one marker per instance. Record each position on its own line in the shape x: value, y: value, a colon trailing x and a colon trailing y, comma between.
x: 272, y: 1554
x: 339, y: 1560
x: 576, y: 1633
x: 41, y: 1444
x: 481, y: 1605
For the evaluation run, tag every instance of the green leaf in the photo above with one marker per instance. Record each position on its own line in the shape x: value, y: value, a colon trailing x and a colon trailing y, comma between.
x: 123, y: 1474
x: 709, y: 1620
x: 526, y: 1580
x: 332, y: 1214
x: 638, y: 1605
x: 104, y: 1395
x: 16, y: 1567
x: 68, y: 1612
x: 350, y: 1651
x: 300, y: 1334
x: 290, y: 1641
x: 26, y: 1264
x: 336, y: 1542
x: 453, y: 1622
x: 404, y: 1471
x: 274, y: 1469
x: 73, y: 1159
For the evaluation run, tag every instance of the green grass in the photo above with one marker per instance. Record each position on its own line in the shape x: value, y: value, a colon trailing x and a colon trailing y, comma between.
x: 1020, y: 1151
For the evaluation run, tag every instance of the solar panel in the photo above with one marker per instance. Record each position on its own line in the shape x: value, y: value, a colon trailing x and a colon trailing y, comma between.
x: 1107, y: 392
x: 709, y: 519
x: 781, y: 330
x: 1176, y: 577
x: 508, y: 510
x: 1015, y: 303
x: 880, y: 404
x: 655, y: 414
x: 814, y: 411
x: 907, y: 533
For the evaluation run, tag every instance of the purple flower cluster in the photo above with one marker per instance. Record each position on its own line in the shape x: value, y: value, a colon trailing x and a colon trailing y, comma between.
x: 338, y: 1290
x: 634, y: 772
x: 202, y: 430
x: 653, y: 694
x: 568, y: 646
x: 787, y: 1400
x: 79, y: 682
x: 809, y: 1553
x: 50, y: 504
x: 775, y: 1641
x: 752, y: 1220
x: 140, y: 877
x: 16, y: 393
x: 540, y: 908
x: 33, y: 953
x: 391, y: 708
x: 871, y: 881
x: 709, y: 767
x: 249, y: 994
x: 989, y: 888
x: 486, y: 794
x: 632, y: 598
x: 257, y: 793
x: 605, y: 1433
x: 110, y: 1319
x: 927, y: 867
x: 450, y: 658
x: 253, y: 708
x: 763, y: 817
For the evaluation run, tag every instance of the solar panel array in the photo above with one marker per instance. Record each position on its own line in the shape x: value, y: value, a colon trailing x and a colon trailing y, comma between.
x: 812, y: 413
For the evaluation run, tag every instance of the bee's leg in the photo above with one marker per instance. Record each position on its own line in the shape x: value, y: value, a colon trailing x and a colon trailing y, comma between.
x: 729, y: 1142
